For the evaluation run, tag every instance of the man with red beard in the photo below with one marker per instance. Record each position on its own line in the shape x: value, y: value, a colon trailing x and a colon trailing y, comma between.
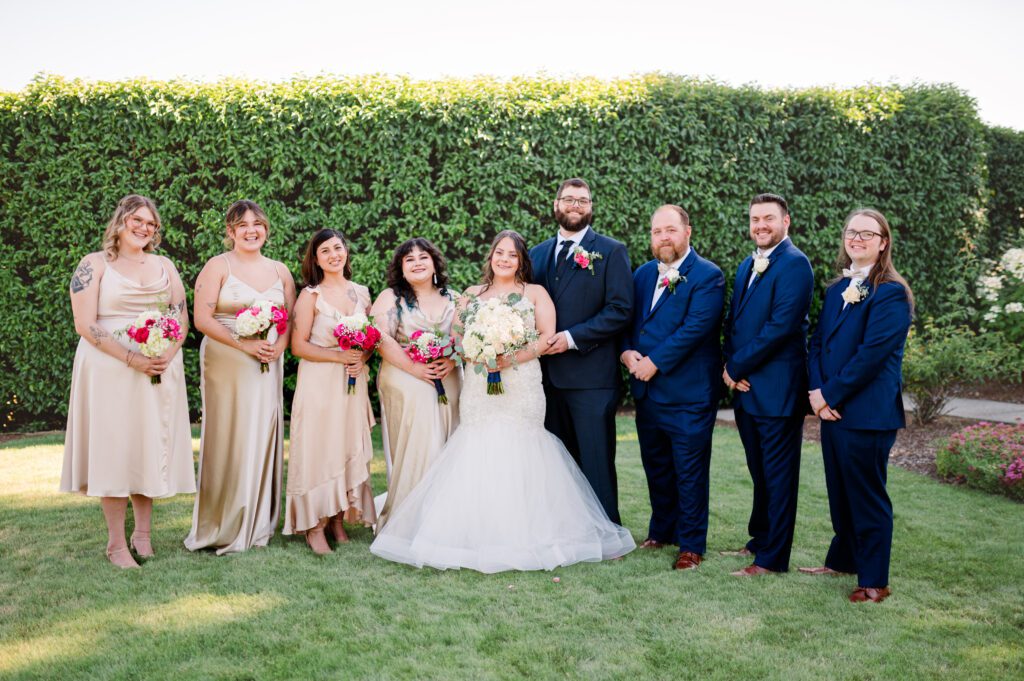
x: 674, y: 357
x: 589, y: 279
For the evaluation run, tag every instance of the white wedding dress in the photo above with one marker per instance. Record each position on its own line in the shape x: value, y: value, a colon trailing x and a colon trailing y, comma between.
x: 503, y: 494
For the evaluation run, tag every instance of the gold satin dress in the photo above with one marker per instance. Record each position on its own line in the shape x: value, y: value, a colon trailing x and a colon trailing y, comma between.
x: 330, y: 453
x: 126, y: 435
x: 242, y: 446
x: 414, y: 426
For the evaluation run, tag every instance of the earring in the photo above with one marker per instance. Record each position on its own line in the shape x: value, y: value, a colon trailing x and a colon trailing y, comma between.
x: 435, y: 278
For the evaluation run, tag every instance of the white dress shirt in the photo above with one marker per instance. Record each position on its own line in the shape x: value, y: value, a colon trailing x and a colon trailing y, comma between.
x: 658, y: 288
x: 576, y: 240
x: 763, y: 254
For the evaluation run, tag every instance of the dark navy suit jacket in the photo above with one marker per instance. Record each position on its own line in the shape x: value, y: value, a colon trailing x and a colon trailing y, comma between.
x: 594, y: 307
x: 766, y: 333
x: 856, y: 356
x: 680, y: 334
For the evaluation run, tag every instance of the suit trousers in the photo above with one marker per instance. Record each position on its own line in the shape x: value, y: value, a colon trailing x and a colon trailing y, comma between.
x: 855, y: 475
x: 772, y: 446
x: 675, y: 446
x: 584, y: 420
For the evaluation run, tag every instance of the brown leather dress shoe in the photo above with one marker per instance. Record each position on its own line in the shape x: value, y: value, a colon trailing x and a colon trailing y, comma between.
x: 822, y: 571
x: 651, y: 544
x: 862, y: 594
x: 738, y: 552
x: 688, y: 560
x: 753, y: 570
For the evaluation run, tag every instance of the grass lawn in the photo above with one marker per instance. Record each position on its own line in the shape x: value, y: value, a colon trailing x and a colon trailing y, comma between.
x: 957, y: 610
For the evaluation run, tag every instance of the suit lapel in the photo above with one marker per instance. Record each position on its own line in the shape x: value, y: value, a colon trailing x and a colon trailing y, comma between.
x: 845, y: 312
x: 544, y: 258
x: 572, y: 271
x: 748, y: 293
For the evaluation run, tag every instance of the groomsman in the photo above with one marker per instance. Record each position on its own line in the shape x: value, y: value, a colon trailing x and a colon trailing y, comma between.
x: 766, y: 364
x: 588, y: 277
x: 673, y: 355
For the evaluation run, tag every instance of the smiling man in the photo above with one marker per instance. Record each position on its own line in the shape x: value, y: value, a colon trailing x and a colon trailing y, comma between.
x: 588, y: 277
x: 766, y: 364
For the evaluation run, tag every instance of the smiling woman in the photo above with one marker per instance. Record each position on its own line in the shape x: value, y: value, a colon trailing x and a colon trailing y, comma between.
x: 127, y: 435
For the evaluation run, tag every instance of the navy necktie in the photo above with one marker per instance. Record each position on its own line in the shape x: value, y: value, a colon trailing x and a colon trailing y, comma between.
x: 563, y: 259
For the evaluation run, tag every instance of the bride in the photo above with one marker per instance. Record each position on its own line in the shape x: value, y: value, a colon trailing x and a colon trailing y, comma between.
x: 504, y: 494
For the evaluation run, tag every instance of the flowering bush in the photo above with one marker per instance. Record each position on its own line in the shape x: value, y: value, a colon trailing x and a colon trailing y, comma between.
x: 1002, y: 294
x: 986, y: 456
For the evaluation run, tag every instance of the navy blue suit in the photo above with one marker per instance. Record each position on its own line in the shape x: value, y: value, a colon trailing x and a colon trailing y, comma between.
x: 856, y: 358
x: 676, y: 409
x: 766, y: 344
x: 583, y: 386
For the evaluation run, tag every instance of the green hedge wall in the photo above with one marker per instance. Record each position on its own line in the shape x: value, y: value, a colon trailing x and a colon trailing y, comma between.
x: 456, y: 160
x: 1006, y: 183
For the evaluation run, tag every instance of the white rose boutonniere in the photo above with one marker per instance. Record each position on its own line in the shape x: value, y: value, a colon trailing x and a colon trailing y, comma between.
x: 669, y: 278
x: 855, y: 292
x: 760, y: 264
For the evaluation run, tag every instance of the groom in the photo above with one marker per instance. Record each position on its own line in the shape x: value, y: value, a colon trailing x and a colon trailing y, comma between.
x: 589, y: 279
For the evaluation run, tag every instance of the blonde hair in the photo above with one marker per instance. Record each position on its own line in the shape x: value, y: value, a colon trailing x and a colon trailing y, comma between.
x: 126, y: 207
x: 235, y: 215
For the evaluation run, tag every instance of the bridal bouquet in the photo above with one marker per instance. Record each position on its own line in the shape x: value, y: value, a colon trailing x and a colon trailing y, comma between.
x: 255, y: 322
x: 154, y: 332
x: 356, y: 332
x: 426, y: 346
x: 494, y: 327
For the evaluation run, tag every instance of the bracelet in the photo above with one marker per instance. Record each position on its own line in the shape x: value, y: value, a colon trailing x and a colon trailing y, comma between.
x: 129, y: 358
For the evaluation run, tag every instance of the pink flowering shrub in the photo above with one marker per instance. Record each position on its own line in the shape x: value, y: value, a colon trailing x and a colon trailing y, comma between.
x: 987, y: 456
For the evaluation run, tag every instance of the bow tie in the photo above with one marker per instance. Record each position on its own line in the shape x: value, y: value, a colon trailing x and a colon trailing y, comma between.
x: 663, y: 267
x: 856, y: 273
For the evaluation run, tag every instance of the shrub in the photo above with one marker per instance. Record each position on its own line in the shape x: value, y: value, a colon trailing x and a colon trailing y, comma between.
x: 986, y: 456
x: 939, y: 357
x: 455, y: 161
x: 1001, y: 290
x: 1005, y: 161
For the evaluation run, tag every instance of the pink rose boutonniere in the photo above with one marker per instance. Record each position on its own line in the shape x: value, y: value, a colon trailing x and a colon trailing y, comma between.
x: 584, y: 259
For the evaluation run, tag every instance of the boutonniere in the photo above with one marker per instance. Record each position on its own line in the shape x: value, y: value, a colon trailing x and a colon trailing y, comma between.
x: 855, y: 292
x: 669, y: 278
x: 584, y: 259
x: 761, y: 264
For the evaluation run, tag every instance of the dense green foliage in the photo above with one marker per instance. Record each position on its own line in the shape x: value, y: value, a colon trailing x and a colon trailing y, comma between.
x: 282, y: 613
x: 988, y: 456
x: 1006, y: 183
x: 455, y: 161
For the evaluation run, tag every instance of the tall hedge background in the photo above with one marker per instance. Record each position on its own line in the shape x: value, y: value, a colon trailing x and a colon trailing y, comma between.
x: 457, y: 160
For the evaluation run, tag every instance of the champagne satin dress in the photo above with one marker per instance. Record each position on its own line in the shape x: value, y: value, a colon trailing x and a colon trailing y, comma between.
x: 126, y: 435
x: 242, y: 446
x: 330, y: 453
x: 414, y: 426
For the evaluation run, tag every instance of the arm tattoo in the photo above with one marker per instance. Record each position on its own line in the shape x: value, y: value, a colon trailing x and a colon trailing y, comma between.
x: 212, y: 306
x: 178, y: 308
x: 98, y: 334
x: 82, y: 277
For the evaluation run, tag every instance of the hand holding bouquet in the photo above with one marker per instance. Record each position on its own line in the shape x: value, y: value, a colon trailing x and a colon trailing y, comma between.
x: 356, y: 332
x: 254, y: 322
x: 154, y: 332
x: 494, y: 327
x: 427, y: 346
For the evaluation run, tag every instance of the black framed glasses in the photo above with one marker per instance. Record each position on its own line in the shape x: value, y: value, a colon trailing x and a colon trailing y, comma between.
x: 568, y: 202
x: 854, y: 235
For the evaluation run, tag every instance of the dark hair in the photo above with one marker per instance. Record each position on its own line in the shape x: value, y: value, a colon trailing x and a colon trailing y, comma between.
x: 396, y: 280
x: 883, y: 270
x: 236, y: 213
x: 573, y: 182
x: 683, y: 215
x: 524, y: 273
x: 771, y: 198
x: 312, y: 273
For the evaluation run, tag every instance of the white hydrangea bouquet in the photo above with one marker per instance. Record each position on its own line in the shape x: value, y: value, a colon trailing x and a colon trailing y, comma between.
x: 492, y: 328
x: 255, y: 321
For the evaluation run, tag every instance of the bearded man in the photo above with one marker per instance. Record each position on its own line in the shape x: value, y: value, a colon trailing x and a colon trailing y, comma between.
x: 588, y: 277
x: 674, y: 355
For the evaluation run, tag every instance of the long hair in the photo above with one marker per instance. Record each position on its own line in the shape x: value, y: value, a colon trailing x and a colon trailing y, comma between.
x: 883, y: 270
x: 235, y: 215
x: 125, y: 208
x: 524, y: 273
x: 312, y: 273
x: 396, y: 280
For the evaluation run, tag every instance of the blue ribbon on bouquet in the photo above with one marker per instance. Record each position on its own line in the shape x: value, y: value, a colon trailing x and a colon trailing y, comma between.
x: 494, y: 386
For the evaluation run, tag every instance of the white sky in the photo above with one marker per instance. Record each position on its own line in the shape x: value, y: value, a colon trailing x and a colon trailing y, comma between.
x: 975, y: 45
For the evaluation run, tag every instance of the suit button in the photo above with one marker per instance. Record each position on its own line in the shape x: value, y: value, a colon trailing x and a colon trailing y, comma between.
x: 642, y: 333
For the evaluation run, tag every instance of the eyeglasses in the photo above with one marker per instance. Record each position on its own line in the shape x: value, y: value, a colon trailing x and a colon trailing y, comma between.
x: 567, y: 202
x: 854, y: 235
x: 137, y: 222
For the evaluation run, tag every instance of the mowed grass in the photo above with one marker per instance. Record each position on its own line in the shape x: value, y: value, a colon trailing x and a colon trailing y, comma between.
x: 281, y: 612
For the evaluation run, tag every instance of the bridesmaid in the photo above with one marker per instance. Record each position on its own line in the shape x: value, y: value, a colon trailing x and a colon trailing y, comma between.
x: 856, y: 357
x: 329, y: 461
x: 414, y: 425
x: 126, y: 437
x: 241, y: 451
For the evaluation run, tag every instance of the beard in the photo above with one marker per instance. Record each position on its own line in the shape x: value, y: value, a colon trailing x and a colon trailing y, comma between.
x: 573, y: 222
x: 666, y: 253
